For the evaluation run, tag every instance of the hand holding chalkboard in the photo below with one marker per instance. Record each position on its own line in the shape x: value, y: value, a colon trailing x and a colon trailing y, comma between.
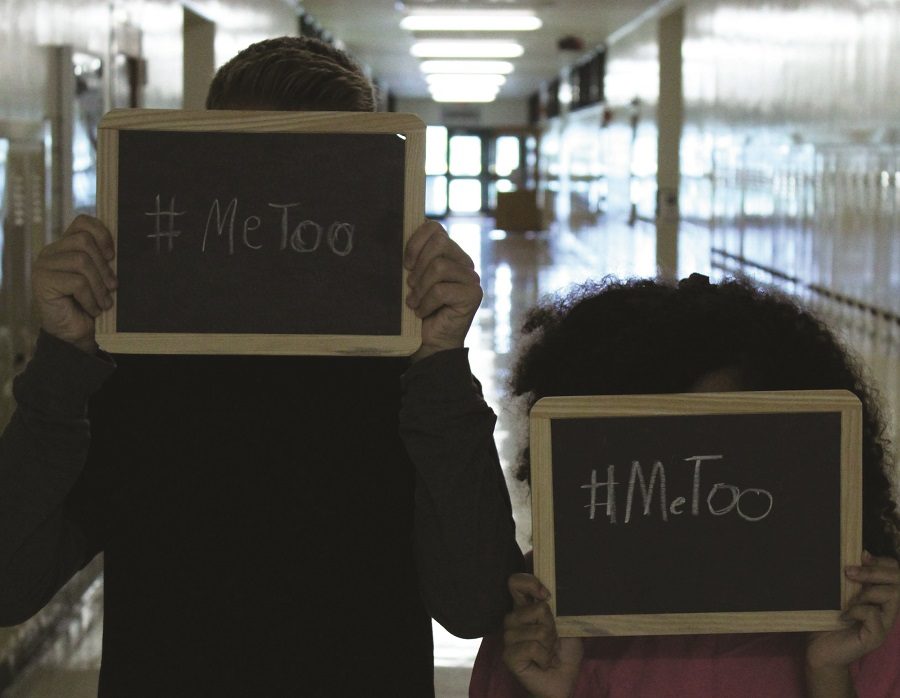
x: 260, y: 232
x: 444, y: 288
x: 544, y: 663
x: 73, y: 281
x: 874, y: 609
x: 681, y: 513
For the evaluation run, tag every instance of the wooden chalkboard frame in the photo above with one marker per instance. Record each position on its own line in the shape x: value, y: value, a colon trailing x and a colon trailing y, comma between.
x: 550, y: 408
x: 411, y: 127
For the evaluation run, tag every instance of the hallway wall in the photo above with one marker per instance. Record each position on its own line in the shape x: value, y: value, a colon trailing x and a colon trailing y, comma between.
x: 789, y: 157
x: 790, y: 152
x: 97, y: 26
x: 792, y: 138
x: 34, y: 199
x: 600, y: 160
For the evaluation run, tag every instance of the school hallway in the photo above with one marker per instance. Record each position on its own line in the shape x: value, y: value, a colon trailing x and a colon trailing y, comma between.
x: 517, y: 269
x: 626, y: 138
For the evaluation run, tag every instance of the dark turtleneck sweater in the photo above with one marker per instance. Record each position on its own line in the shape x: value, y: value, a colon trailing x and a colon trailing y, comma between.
x: 269, y: 526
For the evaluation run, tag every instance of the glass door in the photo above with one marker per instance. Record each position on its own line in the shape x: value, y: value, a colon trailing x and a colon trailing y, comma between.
x: 436, y: 170
x: 465, y: 186
x: 504, y: 165
x: 465, y: 168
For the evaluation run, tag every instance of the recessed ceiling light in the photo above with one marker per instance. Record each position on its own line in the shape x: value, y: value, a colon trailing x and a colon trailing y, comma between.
x: 471, y: 21
x: 469, y: 67
x: 467, y: 49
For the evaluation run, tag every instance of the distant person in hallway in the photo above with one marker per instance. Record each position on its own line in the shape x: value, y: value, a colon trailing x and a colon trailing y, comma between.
x: 646, y: 337
x: 272, y: 526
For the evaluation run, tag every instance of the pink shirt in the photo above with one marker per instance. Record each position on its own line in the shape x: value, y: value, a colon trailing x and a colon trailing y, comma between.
x: 684, y: 666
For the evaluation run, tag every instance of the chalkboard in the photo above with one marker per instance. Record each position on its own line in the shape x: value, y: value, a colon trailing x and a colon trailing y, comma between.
x: 696, y: 513
x: 260, y: 232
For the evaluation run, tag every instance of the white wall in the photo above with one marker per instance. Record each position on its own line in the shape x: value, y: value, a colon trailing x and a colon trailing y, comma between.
x: 26, y: 26
x: 790, y: 154
x: 589, y: 155
x: 792, y: 133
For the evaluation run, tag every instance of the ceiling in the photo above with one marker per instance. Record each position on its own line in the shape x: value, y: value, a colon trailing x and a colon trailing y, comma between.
x: 371, y: 31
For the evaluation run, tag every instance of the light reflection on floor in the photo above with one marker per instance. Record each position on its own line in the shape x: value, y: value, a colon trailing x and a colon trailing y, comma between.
x: 517, y: 270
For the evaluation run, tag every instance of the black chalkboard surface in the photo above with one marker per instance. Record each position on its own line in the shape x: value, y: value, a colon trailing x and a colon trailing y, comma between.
x: 260, y: 232
x: 696, y: 513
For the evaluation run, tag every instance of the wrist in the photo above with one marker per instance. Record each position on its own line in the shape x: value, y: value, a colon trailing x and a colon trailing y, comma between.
x: 828, y: 680
x: 563, y: 693
x: 426, y: 350
x: 88, y: 346
x: 423, y: 352
x: 85, y: 343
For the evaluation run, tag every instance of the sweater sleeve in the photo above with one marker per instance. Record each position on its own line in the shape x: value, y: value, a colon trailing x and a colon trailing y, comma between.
x: 465, y: 535
x: 42, y: 453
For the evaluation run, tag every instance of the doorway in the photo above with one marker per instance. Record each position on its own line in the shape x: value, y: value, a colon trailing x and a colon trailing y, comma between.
x: 466, y: 168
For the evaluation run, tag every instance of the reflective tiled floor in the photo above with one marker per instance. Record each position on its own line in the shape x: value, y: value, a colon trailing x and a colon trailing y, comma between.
x: 517, y: 269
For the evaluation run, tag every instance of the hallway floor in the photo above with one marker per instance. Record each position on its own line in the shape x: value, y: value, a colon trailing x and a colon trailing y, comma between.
x: 517, y: 269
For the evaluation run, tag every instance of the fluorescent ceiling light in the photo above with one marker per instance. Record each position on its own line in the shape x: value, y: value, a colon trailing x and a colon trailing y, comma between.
x: 473, y: 80
x: 467, y: 49
x: 458, y: 96
x: 468, y: 67
x: 462, y: 87
x: 461, y: 93
x: 471, y: 21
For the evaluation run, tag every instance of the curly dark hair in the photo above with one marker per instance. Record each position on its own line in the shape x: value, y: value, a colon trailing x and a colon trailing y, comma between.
x: 291, y: 73
x: 647, y: 336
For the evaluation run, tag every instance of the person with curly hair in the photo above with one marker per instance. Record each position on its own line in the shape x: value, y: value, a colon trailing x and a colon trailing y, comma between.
x: 650, y: 337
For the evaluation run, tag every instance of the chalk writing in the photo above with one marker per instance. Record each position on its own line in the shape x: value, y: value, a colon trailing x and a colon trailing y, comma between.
x: 736, y: 495
x: 647, y: 491
x: 171, y: 233
x: 758, y: 506
x: 334, y: 234
x: 610, y: 486
x: 223, y: 223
